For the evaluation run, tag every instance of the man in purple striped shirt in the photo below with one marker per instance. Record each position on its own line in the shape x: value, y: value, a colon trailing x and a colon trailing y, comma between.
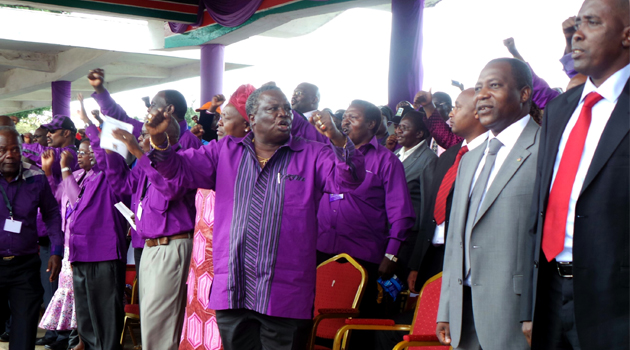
x: 268, y: 185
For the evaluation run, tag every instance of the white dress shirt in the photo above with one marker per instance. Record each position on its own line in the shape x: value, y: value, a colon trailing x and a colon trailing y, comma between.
x: 438, y: 236
x: 508, y: 138
x: 405, y: 153
x: 610, y: 91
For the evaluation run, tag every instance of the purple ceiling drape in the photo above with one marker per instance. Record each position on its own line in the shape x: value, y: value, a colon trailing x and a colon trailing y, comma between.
x: 405, y: 53
x: 228, y: 13
x: 61, y: 95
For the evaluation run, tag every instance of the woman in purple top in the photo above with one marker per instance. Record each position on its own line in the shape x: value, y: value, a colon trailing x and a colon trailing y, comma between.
x: 60, y: 314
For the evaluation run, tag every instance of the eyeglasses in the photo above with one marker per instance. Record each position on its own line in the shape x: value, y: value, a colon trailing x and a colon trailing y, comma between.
x: 403, y: 127
x: 298, y: 93
x: 37, y: 136
x: 83, y: 153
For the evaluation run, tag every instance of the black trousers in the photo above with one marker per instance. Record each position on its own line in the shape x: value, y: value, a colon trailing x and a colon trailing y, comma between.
x: 20, y: 284
x: 559, y: 332
x: 243, y: 329
x: 98, y: 299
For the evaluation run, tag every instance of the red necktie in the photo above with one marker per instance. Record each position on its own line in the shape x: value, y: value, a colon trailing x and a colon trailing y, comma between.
x: 558, y: 204
x: 439, y: 212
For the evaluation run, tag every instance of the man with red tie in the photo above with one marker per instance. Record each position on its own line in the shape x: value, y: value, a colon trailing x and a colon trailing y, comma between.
x: 428, y: 254
x: 577, y: 287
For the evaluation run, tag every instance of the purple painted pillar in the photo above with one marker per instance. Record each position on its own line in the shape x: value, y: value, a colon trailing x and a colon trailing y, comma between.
x: 212, y: 67
x: 61, y: 96
x: 405, y: 52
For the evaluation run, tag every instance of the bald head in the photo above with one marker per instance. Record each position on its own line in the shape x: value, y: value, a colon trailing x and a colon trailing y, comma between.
x: 5, y: 120
x: 305, y: 98
x: 463, y: 116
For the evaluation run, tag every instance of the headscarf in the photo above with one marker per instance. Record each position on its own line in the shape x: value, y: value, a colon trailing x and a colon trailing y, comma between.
x: 239, y: 99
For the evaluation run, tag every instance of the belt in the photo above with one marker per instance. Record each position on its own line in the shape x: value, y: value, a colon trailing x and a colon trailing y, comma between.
x: 8, y: 258
x: 152, y: 242
x: 565, y: 269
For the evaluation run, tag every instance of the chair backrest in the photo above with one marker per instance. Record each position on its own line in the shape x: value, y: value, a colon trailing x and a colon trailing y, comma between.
x: 424, y: 320
x: 340, y: 285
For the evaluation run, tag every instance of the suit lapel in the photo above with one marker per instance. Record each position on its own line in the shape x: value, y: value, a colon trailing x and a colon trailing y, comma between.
x: 517, y: 156
x: 411, y: 160
x: 615, y: 130
x: 461, y: 198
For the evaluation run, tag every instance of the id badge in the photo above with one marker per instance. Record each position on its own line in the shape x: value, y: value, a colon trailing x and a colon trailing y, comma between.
x: 11, y: 225
x: 139, y: 212
x: 336, y: 197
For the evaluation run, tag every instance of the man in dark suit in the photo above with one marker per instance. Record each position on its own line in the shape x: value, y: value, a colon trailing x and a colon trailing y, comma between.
x: 428, y: 254
x: 577, y: 290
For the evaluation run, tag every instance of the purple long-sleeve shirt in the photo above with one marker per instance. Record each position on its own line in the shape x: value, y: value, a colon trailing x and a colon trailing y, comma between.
x: 166, y: 209
x: 265, y: 228
x: 357, y: 224
x: 28, y: 192
x: 541, y: 92
x: 110, y: 108
x: 97, y: 229
x: 33, y: 151
x: 300, y: 127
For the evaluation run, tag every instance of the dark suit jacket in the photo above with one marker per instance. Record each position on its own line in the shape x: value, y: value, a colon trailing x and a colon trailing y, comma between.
x: 419, y: 168
x: 427, y: 226
x: 601, y: 237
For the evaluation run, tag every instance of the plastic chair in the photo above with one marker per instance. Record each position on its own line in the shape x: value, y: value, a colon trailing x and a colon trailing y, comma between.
x: 132, y: 316
x: 422, y: 329
x: 340, y: 287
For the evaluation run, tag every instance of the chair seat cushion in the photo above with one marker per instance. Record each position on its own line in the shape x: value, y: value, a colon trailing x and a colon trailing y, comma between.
x: 132, y: 309
x: 420, y: 337
x: 371, y: 321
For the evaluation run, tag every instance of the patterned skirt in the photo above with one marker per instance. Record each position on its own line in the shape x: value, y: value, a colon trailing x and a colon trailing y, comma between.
x: 60, y: 315
x: 200, y: 323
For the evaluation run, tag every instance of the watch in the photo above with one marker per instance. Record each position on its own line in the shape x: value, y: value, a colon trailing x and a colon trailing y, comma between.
x: 391, y: 257
x: 66, y: 169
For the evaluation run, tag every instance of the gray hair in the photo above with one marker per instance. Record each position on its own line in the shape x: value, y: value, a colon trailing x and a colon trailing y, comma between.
x: 251, y: 107
x: 12, y: 130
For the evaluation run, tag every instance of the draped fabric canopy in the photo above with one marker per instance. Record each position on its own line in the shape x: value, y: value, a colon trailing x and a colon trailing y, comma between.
x: 228, y: 13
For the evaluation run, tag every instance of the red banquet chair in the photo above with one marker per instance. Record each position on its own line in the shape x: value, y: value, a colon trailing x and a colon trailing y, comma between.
x: 422, y: 329
x: 132, y: 315
x: 340, y: 287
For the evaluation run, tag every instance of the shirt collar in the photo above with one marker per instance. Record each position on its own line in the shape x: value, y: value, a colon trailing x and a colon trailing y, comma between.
x: 509, y: 136
x: 309, y: 114
x: 373, y: 142
x: 412, y: 149
x: 476, y: 142
x: 611, y: 88
x: 295, y: 144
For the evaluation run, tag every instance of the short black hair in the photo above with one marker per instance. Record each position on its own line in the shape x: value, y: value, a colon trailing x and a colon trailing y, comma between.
x: 444, y: 96
x: 252, y: 101
x: 387, y: 112
x: 175, y: 98
x: 520, y: 71
x: 370, y: 112
x: 415, y: 118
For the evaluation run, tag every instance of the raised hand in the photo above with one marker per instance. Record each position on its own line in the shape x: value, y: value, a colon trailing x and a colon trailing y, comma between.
x: 82, y: 113
x: 156, y: 126
x: 198, y: 131
x: 217, y: 101
x: 48, y: 159
x: 97, y: 79
x: 423, y: 99
x: 568, y: 27
x: 511, y: 46
x: 323, y: 122
x: 66, y: 159
x: 130, y: 142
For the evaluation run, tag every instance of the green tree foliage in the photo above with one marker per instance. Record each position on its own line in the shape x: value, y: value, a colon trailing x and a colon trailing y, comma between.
x: 31, y: 120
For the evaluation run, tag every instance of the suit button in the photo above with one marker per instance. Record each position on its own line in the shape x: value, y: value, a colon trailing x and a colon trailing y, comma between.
x: 536, y: 263
x: 475, y: 246
x: 459, y: 280
x: 461, y: 244
x: 542, y: 214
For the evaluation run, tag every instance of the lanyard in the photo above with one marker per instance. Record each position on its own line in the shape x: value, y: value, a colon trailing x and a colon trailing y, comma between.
x: 147, y: 183
x: 6, y: 198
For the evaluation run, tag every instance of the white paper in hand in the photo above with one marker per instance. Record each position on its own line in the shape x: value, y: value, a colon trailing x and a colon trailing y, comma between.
x: 107, y: 139
x: 127, y: 213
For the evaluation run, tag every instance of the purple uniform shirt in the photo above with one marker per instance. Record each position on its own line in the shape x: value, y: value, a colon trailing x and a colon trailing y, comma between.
x: 541, y: 92
x: 357, y: 224
x: 300, y: 127
x: 265, y: 228
x: 97, y: 229
x: 110, y: 108
x: 166, y: 209
x: 33, y: 151
x: 28, y: 192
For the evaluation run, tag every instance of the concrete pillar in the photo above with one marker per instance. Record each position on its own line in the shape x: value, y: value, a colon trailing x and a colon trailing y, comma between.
x: 61, y: 95
x: 405, y: 53
x: 212, y: 67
